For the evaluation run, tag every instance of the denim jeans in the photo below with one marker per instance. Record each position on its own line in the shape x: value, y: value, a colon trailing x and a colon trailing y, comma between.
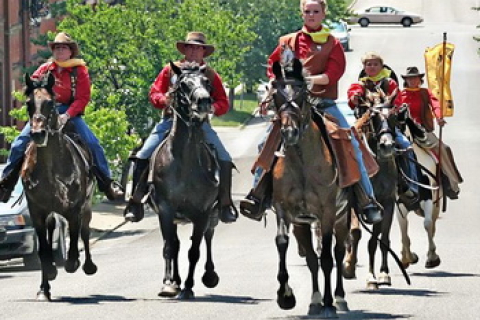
x: 19, y: 145
x: 159, y: 132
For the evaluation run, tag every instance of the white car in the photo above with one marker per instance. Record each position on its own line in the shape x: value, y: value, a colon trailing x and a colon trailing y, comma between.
x: 341, y: 31
x: 383, y: 14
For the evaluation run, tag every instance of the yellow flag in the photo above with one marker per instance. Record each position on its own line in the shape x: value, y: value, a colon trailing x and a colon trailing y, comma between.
x: 438, y: 72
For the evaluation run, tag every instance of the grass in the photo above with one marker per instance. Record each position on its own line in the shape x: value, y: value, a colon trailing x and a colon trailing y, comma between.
x: 244, y: 106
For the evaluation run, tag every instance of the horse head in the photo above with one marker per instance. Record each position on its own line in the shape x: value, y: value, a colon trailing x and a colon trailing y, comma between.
x: 289, y: 98
x: 41, y: 107
x: 381, y: 120
x: 191, y: 91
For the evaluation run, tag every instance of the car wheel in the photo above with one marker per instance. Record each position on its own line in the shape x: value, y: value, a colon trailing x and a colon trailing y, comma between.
x: 346, y: 47
x: 364, y: 22
x: 407, y: 22
x: 60, y: 253
x: 31, y: 261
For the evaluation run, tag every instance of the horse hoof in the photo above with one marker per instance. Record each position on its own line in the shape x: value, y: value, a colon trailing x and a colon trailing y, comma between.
x: 89, y: 268
x: 210, y: 279
x: 414, y: 258
x: 44, y: 296
x: 384, y: 279
x: 314, y: 309
x: 328, y: 313
x: 169, y: 291
x: 186, y: 294
x: 72, y: 265
x: 286, y: 302
x: 349, y: 271
x: 432, y: 263
x: 372, y: 283
x: 341, y: 304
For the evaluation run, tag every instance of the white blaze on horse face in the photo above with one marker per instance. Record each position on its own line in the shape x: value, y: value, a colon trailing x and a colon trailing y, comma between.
x: 40, y: 96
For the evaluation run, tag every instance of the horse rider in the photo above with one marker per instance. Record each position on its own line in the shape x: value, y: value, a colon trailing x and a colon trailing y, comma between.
x: 72, y: 94
x: 423, y: 105
x: 323, y: 57
x: 377, y: 76
x: 195, y: 49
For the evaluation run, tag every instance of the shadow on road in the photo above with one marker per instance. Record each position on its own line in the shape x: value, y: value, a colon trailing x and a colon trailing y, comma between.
x: 443, y: 274
x: 357, y: 314
x: 402, y: 292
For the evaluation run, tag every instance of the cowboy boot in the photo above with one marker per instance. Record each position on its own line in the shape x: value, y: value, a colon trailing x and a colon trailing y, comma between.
x: 112, y: 189
x: 134, y: 211
x: 8, y: 182
x: 371, y: 211
x: 258, y: 199
x: 228, y: 213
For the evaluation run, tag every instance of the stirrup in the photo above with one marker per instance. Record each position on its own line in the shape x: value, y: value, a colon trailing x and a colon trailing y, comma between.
x: 252, y: 208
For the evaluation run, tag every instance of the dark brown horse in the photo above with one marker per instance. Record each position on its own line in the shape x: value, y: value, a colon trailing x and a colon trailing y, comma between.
x: 185, y: 181
x: 377, y: 127
x: 57, y: 178
x: 304, y: 190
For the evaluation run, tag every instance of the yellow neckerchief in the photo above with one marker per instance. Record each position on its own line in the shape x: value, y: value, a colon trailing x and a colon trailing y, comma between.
x: 319, y: 36
x: 70, y: 63
x: 385, y: 73
x: 412, y: 89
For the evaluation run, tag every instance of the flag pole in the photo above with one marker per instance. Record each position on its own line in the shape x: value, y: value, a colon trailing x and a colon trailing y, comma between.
x: 440, y: 134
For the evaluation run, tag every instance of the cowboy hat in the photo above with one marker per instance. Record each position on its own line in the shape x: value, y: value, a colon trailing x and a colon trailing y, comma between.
x: 196, y: 38
x: 371, y: 56
x: 65, y: 38
x: 412, y: 72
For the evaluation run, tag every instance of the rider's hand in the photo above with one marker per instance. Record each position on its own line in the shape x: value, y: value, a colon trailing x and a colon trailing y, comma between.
x: 63, y: 118
x: 441, y: 122
x: 168, y: 98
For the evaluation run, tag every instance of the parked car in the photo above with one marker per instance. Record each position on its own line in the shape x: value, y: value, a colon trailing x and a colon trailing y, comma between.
x: 382, y: 14
x: 341, y: 31
x: 20, y: 240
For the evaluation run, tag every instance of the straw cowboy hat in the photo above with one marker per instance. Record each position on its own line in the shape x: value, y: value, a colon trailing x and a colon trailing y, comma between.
x: 196, y: 38
x: 65, y: 38
x: 412, y: 72
x: 371, y: 56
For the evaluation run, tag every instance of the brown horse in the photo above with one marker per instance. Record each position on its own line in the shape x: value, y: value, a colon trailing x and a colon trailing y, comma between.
x: 304, y: 190
x: 57, y: 177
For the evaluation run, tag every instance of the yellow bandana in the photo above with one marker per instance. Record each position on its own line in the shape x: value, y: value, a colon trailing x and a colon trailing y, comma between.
x: 318, y: 36
x: 70, y: 63
x: 412, y: 89
x: 385, y: 73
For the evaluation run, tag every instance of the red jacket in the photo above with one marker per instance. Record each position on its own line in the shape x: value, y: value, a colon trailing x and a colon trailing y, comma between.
x: 414, y: 99
x: 62, y: 87
x: 162, y: 84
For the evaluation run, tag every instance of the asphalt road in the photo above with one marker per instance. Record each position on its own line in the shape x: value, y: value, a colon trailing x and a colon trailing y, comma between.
x: 130, y: 258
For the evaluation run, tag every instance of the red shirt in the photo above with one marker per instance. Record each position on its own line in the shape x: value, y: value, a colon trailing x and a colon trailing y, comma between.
x: 335, y: 66
x: 162, y: 84
x: 414, y: 99
x: 62, y: 87
x: 358, y: 89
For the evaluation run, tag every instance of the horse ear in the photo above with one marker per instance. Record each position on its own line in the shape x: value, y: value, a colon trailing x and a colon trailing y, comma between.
x: 297, y: 69
x: 175, y: 69
x: 277, y: 70
x: 50, y: 80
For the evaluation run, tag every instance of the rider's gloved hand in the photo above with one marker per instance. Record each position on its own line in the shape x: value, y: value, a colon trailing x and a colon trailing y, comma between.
x: 63, y: 118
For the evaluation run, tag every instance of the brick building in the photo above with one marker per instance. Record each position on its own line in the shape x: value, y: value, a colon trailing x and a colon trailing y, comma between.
x: 20, y: 21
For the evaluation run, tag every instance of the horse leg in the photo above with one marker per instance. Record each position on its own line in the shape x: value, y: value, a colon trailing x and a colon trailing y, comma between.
x: 340, y: 302
x: 303, y: 234
x: 171, y: 247
x: 384, y: 277
x: 326, y: 259
x: 210, y: 277
x: 45, y: 254
x: 72, y: 263
x: 88, y: 267
x: 408, y: 257
x: 372, y: 282
x: 285, y: 297
x: 431, y: 216
x: 193, y: 256
x: 353, y: 240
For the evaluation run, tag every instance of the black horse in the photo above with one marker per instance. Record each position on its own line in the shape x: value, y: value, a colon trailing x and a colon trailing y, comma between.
x: 377, y: 124
x: 186, y: 180
x: 304, y: 191
x: 57, y: 178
